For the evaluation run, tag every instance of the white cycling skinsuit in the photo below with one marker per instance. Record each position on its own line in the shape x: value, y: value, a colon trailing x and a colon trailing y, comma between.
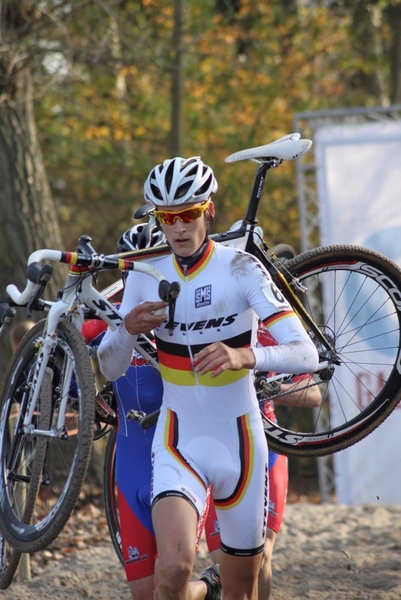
x: 209, y: 431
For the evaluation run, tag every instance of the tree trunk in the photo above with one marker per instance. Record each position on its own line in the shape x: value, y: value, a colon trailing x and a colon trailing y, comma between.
x: 27, y: 216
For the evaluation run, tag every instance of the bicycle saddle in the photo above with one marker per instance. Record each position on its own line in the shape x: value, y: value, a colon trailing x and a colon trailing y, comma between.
x: 288, y: 147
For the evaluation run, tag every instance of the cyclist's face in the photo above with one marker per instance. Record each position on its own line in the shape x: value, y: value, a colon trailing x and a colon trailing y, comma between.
x: 186, y: 238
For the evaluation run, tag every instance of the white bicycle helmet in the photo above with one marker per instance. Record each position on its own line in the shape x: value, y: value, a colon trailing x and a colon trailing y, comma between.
x: 144, y: 235
x: 180, y: 181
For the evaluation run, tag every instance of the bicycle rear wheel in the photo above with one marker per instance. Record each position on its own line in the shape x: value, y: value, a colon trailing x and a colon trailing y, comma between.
x: 110, y: 494
x: 354, y: 296
x: 41, y: 476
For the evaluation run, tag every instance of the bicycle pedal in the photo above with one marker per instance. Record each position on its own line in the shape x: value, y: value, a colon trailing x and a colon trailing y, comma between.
x: 135, y: 415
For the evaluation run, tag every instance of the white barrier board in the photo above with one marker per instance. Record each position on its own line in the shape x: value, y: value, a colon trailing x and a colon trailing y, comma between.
x: 359, y: 190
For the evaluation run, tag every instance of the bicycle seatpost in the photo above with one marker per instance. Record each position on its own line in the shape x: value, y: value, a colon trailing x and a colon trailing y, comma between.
x: 256, y: 192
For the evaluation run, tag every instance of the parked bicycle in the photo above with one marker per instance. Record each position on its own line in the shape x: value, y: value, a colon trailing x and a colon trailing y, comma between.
x: 348, y: 298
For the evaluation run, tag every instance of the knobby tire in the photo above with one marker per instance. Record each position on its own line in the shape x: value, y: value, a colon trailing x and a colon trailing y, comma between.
x: 9, y: 562
x: 46, y: 473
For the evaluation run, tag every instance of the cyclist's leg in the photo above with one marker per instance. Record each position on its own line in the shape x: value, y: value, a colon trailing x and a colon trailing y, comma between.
x: 242, y: 517
x: 278, y: 484
x: 138, y: 544
x: 197, y: 590
x: 239, y: 576
x: 138, y: 547
x: 131, y: 533
x: 265, y: 573
x: 142, y: 589
x: 174, y: 520
x: 179, y: 493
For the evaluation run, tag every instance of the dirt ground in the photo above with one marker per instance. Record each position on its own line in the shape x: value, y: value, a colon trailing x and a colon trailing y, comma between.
x: 323, y: 552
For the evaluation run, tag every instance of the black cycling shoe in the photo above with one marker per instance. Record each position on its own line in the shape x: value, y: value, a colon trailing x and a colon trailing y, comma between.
x: 211, y: 576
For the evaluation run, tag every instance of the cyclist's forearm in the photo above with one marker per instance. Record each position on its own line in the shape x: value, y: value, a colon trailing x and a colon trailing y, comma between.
x: 115, y: 352
x: 293, y: 357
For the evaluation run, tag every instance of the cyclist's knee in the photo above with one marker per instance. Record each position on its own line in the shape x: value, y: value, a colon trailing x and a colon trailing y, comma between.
x: 174, y: 574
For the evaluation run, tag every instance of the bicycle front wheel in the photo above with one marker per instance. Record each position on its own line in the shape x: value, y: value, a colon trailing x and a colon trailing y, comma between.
x: 9, y: 562
x: 353, y: 294
x: 43, y: 464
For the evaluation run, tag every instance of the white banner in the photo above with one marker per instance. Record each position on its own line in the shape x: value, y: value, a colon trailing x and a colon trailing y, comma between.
x: 359, y: 190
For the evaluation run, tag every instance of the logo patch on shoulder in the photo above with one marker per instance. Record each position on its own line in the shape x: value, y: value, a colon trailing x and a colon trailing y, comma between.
x: 203, y: 296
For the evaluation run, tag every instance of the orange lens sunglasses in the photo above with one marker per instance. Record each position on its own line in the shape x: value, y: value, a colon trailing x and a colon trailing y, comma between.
x: 186, y: 215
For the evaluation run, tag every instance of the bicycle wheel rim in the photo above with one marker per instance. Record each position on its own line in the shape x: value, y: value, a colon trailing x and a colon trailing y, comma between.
x: 354, y: 295
x: 36, y: 519
x: 110, y: 495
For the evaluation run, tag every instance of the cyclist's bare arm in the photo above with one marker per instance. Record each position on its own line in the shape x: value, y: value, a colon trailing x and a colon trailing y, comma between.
x: 116, y: 348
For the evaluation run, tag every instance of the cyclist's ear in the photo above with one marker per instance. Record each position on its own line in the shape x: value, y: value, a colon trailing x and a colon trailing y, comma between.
x: 210, y: 213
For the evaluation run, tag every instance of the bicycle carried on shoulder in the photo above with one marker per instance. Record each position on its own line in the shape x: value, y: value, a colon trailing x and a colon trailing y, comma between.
x: 47, y: 399
x: 348, y: 298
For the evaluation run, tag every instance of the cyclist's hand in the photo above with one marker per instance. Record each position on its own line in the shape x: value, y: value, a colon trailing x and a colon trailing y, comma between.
x: 218, y: 358
x: 142, y: 318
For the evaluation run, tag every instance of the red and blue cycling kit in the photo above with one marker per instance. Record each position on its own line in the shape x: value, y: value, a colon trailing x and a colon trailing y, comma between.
x: 141, y: 389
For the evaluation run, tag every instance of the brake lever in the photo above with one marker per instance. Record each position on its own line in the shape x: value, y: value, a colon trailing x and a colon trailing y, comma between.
x: 175, y: 290
x: 45, y: 275
x: 7, y: 315
x: 169, y: 293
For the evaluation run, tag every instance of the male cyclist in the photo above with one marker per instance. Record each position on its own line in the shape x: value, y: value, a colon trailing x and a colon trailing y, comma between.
x: 209, y: 431
x: 140, y: 389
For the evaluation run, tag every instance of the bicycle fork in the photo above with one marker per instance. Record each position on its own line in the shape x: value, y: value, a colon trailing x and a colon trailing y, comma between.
x: 47, y: 344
